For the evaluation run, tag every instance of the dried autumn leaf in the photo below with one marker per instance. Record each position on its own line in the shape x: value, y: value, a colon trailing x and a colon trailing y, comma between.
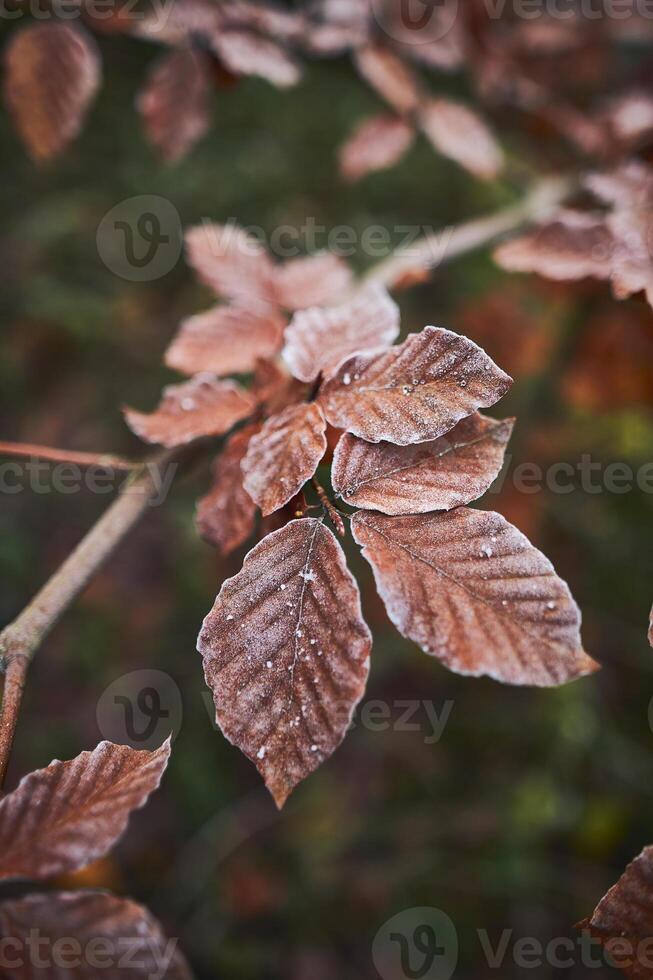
x: 245, y: 52
x: 202, y: 406
x: 452, y: 470
x: 52, y: 72
x: 225, y: 340
x: 414, y: 392
x: 225, y: 516
x: 231, y: 262
x: 318, y: 340
x: 174, y: 103
x: 389, y: 76
x: 286, y: 653
x: 375, y: 144
x: 284, y: 455
x: 461, y: 135
x: 65, y: 816
x: 310, y: 281
x: 118, y: 939
x: 623, y: 919
x: 471, y: 590
x: 574, y: 245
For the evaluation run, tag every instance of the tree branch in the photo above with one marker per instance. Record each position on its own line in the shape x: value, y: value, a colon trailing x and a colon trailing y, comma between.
x: 28, y: 449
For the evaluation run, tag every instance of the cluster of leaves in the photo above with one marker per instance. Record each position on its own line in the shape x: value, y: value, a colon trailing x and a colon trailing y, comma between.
x: 285, y: 647
x: 57, y: 821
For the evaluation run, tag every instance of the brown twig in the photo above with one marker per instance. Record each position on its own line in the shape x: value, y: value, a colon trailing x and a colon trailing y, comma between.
x: 334, y: 514
x: 27, y: 449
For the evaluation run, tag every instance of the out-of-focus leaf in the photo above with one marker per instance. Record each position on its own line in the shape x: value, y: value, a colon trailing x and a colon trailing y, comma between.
x: 389, y: 76
x: 376, y: 144
x: 574, y: 245
x: 310, y: 281
x: 225, y: 516
x: 459, y: 133
x: 245, y: 52
x: 232, y: 262
x: 225, y: 340
x: 174, y: 103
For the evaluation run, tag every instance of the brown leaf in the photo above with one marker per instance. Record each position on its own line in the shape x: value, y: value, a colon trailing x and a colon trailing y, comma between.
x: 225, y: 340
x: 52, y: 72
x: 232, y: 262
x: 310, y: 281
x: 376, y: 144
x: 202, y: 406
x: 470, y: 589
x: 174, y: 103
x: 623, y: 919
x: 630, y: 117
x: 452, y: 470
x: 414, y: 392
x: 575, y: 245
x: 245, y: 52
x: 225, y: 516
x: 286, y: 653
x: 389, y: 76
x: 284, y: 455
x: 65, y: 816
x: 460, y: 134
x: 319, y: 339
x: 85, y: 935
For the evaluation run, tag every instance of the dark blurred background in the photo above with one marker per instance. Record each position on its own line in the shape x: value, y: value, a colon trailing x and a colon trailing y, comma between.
x: 532, y: 802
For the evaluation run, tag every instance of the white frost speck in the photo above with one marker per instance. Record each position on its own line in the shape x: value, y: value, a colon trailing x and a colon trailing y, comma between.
x: 230, y: 616
x: 268, y: 664
x: 261, y: 752
x: 346, y: 379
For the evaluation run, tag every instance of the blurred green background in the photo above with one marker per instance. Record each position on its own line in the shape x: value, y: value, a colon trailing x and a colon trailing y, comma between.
x: 531, y: 803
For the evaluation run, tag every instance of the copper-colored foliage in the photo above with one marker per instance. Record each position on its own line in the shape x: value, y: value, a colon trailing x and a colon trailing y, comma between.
x: 286, y: 653
x: 225, y: 340
x: 375, y: 144
x: 284, y: 455
x: 470, y: 589
x: 231, y: 262
x: 414, y: 392
x: 310, y: 281
x: 202, y: 406
x: 174, y: 104
x: 629, y: 117
x: 459, y: 133
x: 63, y: 817
x: 452, y: 470
x: 574, y: 245
x: 101, y: 935
x: 225, y: 516
x: 389, y: 76
x: 52, y: 72
x: 319, y: 339
x: 623, y: 919
x: 246, y: 52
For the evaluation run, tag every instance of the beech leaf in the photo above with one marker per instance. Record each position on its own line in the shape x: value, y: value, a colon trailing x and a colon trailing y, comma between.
x: 286, y: 653
x: 225, y: 340
x: 245, y: 52
x: 63, y: 817
x: 471, y: 590
x: 452, y: 470
x: 389, y: 76
x: 284, y: 455
x: 319, y: 339
x: 231, y: 262
x: 52, y: 72
x: 376, y: 144
x: 414, y: 392
x: 311, y: 280
x: 574, y: 245
x: 174, y: 103
x: 202, y: 406
x: 85, y: 935
x: 457, y: 132
x: 225, y: 516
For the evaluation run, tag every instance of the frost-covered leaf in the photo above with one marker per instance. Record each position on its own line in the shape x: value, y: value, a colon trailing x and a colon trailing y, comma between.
x: 225, y: 516
x: 471, y: 590
x: 85, y: 935
x: 202, y: 406
x: 52, y: 73
x: 574, y: 245
x: 623, y: 919
x: 286, y: 653
x: 414, y: 392
x: 232, y: 262
x: 389, y: 76
x: 65, y: 816
x: 318, y: 340
x: 284, y: 455
x: 630, y: 117
x: 174, y: 103
x: 459, y: 133
x: 245, y: 52
x: 375, y: 144
x: 452, y: 470
x: 311, y: 280
x: 225, y: 340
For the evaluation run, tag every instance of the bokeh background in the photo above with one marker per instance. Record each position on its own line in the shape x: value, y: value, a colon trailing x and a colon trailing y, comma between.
x: 532, y: 802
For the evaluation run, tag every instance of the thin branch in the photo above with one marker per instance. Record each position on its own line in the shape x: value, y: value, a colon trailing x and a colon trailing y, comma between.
x: 434, y: 250
x: 28, y: 449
